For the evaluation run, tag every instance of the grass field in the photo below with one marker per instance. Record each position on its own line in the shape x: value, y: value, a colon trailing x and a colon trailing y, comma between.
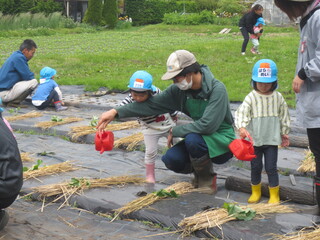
x: 108, y: 58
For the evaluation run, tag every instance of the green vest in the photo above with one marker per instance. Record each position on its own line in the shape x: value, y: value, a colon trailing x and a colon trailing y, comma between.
x: 218, y: 141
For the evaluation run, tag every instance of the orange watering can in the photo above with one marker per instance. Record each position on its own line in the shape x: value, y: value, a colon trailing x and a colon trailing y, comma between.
x: 242, y: 149
x: 104, y: 141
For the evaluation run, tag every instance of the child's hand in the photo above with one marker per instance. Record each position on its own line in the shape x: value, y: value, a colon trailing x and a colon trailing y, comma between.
x: 243, y: 133
x: 285, y: 140
x: 105, y: 119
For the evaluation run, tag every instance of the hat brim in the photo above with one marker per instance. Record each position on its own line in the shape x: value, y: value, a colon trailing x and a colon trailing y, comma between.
x: 170, y: 75
x: 140, y: 89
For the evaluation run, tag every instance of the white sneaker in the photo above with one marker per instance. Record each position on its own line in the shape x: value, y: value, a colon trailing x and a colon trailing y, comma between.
x: 243, y: 53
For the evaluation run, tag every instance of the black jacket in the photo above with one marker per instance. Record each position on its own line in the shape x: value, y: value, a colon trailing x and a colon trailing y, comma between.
x: 10, y: 163
x: 249, y: 20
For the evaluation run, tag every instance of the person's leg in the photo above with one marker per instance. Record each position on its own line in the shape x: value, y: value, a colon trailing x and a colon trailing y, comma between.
x: 19, y: 91
x: 151, y: 143
x: 4, y: 216
x: 177, y: 158
x: 245, y: 35
x: 271, y: 159
x: 255, y: 43
x: 53, y: 97
x: 204, y: 175
x: 314, y: 144
x: 256, y: 170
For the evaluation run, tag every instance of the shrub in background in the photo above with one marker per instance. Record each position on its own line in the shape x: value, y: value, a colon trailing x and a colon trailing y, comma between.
x: 93, y: 13
x: 110, y: 13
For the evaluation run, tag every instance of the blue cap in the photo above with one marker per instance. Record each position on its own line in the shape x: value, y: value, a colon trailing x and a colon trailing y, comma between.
x: 47, y: 72
x: 260, y: 20
x: 141, y: 81
x: 265, y: 71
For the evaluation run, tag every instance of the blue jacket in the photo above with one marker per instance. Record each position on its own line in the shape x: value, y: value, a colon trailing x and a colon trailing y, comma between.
x: 14, y: 69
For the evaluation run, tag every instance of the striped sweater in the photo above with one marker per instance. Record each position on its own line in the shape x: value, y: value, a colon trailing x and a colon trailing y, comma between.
x: 266, y: 117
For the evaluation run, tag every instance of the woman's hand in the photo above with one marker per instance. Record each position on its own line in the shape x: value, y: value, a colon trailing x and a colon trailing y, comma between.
x: 105, y: 119
x: 296, y: 84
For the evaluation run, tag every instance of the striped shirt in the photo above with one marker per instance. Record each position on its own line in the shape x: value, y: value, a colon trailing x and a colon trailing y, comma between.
x: 148, y: 119
x: 266, y: 117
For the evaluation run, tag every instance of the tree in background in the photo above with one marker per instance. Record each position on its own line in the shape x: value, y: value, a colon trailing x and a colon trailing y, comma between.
x: 93, y: 13
x: 46, y: 7
x: 9, y: 7
x: 110, y: 13
x: 206, y: 4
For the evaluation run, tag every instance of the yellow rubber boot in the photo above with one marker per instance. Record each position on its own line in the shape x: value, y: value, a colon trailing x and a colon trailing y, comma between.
x: 274, y: 194
x: 256, y: 193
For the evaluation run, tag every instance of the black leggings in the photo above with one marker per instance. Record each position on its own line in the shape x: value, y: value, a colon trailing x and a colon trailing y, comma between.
x: 314, y: 143
x: 245, y: 35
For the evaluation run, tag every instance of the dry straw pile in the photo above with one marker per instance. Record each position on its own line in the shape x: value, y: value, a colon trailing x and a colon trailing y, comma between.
x: 130, y: 142
x: 216, y: 217
x: 80, y: 131
x: 49, y: 124
x: 308, y: 233
x: 137, y: 204
x: 50, y: 170
x: 308, y: 164
x: 25, y: 157
x: 78, y: 185
x: 31, y: 114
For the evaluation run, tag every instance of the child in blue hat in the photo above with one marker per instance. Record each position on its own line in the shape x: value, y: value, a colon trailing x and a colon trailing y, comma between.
x: 154, y: 127
x: 255, y: 37
x: 48, y: 91
x: 264, y: 116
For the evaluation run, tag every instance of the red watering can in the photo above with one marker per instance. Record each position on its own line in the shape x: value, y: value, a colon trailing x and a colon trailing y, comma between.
x: 104, y: 141
x: 242, y: 149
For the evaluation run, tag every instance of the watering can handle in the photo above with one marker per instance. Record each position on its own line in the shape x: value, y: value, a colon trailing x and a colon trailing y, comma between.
x: 250, y: 138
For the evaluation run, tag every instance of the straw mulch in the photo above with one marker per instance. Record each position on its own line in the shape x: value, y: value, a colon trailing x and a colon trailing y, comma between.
x: 50, y: 170
x: 308, y: 164
x: 31, y: 114
x: 137, y: 204
x: 129, y: 142
x: 49, y: 124
x: 307, y: 233
x: 25, y: 157
x: 216, y: 217
x: 67, y: 189
x: 80, y: 131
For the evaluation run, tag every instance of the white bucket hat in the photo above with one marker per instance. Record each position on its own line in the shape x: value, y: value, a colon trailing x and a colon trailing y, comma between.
x: 176, y: 62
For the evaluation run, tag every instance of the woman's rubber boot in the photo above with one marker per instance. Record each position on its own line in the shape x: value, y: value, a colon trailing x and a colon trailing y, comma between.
x: 204, y: 177
x: 150, y: 176
x: 59, y: 107
x: 255, y: 193
x: 317, y: 187
x: 4, y: 218
x: 274, y: 194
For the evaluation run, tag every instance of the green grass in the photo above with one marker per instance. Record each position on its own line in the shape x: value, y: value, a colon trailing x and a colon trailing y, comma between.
x: 96, y: 58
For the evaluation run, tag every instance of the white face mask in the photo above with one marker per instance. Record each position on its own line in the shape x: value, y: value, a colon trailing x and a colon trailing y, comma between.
x: 184, y: 85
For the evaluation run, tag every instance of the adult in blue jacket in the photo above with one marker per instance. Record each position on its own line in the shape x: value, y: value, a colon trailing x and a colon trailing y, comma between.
x: 16, y: 79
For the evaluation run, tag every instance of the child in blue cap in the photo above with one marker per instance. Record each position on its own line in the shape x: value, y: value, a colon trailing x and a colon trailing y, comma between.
x: 48, y: 91
x: 255, y: 37
x: 264, y: 116
x: 154, y: 127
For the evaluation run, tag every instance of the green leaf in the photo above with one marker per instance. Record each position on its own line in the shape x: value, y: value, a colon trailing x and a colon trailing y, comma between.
x: 24, y: 169
x: 56, y: 119
x: 239, y: 213
x: 165, y: 193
